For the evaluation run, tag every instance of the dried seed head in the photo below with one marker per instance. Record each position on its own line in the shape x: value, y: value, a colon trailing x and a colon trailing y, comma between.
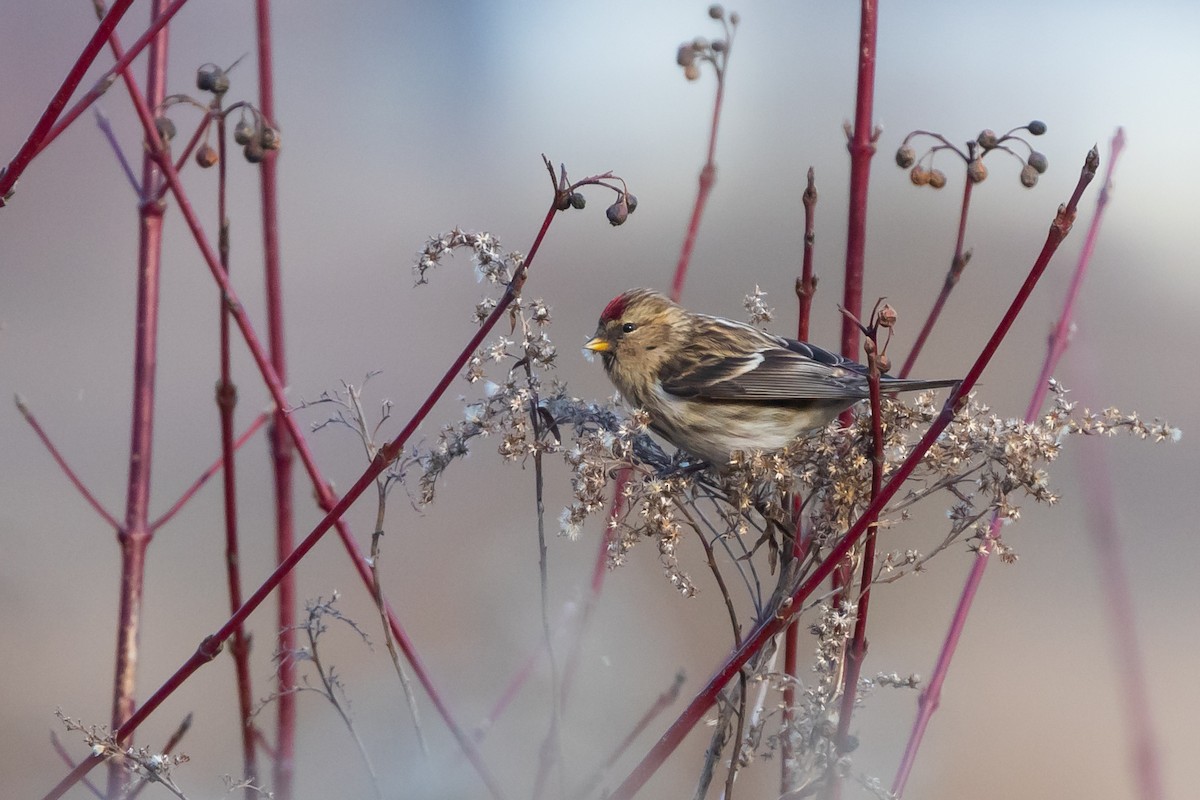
x: 919, y: 175
x: 718, y: 46
x: 577, y: 200
x: 987, y: 139
x: 211, y: 78
x: 1037, y: 127
x: 716, y: 11
x: 631, y: 202
x: 206, y: 156
x: 685, y: 56
x: 906, y: 156
x: 700, y: 44
x: 165, y: 128
x: 884, y: 362
x: 1038, y: 161
x: 937, y: 178
x: 691, y: 72
x: 562, y: 201
x: 735, y: 18
x: 976, y: 171
x: 1029, y: 176
x: 887, y: 316
x: 243, y: 132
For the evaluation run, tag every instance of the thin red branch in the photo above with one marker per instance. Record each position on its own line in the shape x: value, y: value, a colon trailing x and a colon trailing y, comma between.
x: 191, y: 491
x: 768, y: 628
x: 66, y: 468
x: 930, y: 698
x: 862, y: 148
x: 957, y: 264
x: 33, y: 142
x: 70, y: 762
x: 135, y: 535
x: 227, y: 396
x: 281, y: 448
x: 336, y: 507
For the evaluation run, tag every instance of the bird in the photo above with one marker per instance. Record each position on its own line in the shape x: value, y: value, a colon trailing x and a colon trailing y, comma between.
x: 713, y: 386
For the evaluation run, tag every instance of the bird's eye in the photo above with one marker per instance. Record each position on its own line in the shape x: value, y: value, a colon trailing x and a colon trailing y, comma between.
x: 629, y: 327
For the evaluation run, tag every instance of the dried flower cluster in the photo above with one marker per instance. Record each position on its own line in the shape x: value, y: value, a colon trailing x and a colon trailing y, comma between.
x: 922, y: 172
x: 144, y: 763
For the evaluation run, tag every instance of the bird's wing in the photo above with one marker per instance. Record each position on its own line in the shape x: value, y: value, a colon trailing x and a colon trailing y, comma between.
x: 780, y: 370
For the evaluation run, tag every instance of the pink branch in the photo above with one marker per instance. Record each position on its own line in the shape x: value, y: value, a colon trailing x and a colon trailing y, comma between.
x: 862, y: 147
x: 281, y: 449
x: 931, y: 697
x: 190, y: 492
x: 957, y: 264
x: 62, y: 464
x: 9, y: 176
x: 769, y: 627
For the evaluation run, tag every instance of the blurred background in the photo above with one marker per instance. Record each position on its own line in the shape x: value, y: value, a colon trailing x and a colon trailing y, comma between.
x: 401, y: 120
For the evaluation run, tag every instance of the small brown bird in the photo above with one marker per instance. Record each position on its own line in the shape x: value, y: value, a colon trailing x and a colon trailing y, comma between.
x: 713, y: 385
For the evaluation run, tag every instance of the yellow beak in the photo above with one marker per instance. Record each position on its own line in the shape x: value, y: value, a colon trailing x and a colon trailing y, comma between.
x: 597, y: 345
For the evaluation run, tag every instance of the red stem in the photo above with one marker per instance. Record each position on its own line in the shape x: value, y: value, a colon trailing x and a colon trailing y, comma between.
x: 62, y: 463
x: 59, y: 101
x: 930, y: 698
x: 769, y: 627
x: 957, y: 264
x: 190, y: 492
x: 708, y: 177
x: 862, y: 147
x: 806, y: 287
x: 226, y: 404
x: 135, y: 535
x: 337, y: 507
x: 281, y: 449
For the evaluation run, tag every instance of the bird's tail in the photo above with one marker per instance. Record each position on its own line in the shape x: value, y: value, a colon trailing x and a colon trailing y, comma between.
x: 888, y: 384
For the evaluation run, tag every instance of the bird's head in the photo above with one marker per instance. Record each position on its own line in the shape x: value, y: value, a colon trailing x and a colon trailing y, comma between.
x: 638, y: 331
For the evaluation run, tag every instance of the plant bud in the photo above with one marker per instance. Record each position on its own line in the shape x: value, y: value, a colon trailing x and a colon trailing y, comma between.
x: 206, y: 155
x: 685, y: 56
x: 735, y: 18
x: 562, y: 201
x: 919, y: 175
x: 976, y: 171
x: 1037, y: 127
x: 165, y: 128
x: 716, y: 11
x: 205, y: 77
x: 631, y: 202
x: 1029, y: 176
x: 987, y: 139
x: 718, y: 46
x: 887, y: 316
x: 884, y: 362
x: 618, y: 212
x: 1038, y: 161
x: 700, y: 44
x: 937, y: 178
x: 577, y: 200
x: 691, y: 72
x: 906, y: 156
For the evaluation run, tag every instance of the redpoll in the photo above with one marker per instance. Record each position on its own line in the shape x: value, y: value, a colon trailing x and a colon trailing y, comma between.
x: 713, y: 385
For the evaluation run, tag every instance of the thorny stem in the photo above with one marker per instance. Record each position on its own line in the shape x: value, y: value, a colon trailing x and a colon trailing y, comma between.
x: 930, y: 698
x: 209, y: 648
x: 281, y: 448
x: 64, y: 466
x: 134, y: 536
x: 806, y: 287
x: 957, y: 264
x: 770, y: 626
x: 226, y: 393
